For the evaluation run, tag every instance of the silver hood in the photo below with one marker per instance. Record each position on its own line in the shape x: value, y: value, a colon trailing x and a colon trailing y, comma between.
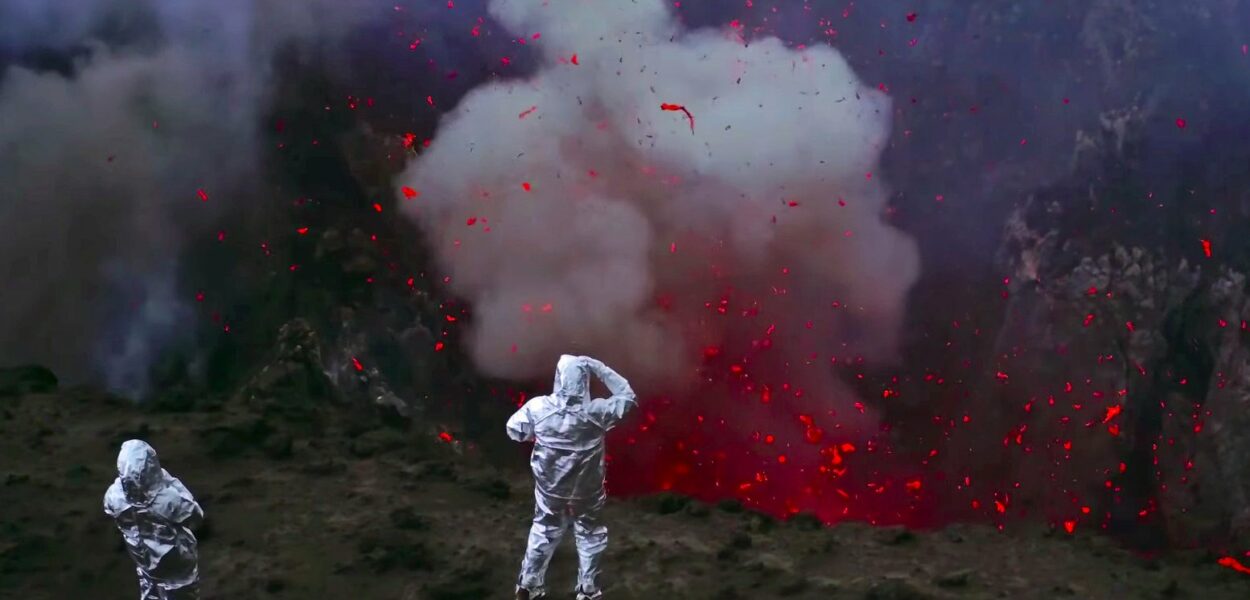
x: 139, y: 471
x: 572, y: 381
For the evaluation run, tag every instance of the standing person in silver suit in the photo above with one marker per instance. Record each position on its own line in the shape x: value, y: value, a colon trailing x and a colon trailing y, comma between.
x: 568, y: 430
x: 155, y: 514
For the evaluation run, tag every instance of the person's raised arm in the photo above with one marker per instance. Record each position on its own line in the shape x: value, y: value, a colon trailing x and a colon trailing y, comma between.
x: 520, y: 427
x: 622, y: 399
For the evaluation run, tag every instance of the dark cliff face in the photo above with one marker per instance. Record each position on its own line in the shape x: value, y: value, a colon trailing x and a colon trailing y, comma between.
x: 1127, y: 318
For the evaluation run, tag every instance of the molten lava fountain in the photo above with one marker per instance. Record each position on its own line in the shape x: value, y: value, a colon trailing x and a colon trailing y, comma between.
x: 703, y: 214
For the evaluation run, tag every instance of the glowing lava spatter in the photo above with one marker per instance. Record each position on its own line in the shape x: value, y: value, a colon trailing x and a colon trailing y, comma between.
x: 746, y: 281
x: 1234, y: 564
x: 678, y: 107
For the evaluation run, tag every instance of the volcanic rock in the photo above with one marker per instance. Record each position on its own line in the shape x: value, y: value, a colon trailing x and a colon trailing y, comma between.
x: 896, y: 589
x: 954, y: 579
x: 294, y: 375
x: 30, y: 379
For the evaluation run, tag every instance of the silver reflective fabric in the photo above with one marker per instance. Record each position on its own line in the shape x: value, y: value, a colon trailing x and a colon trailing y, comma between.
x: 155, y: 514
x: 568, y: 430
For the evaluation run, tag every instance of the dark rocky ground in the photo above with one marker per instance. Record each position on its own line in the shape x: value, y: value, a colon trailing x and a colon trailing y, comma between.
x: 342, y: 502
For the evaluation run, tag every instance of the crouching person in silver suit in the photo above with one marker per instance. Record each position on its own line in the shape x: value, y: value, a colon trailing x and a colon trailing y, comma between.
x: 568, y: 430
x: 155, y: 514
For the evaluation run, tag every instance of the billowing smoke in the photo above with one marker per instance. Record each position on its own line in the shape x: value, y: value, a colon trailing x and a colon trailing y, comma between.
x: 126, y: 127
x: 682, y: 204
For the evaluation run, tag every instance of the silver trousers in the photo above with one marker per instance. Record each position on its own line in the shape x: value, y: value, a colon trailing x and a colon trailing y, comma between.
x: 151, y: 590
x: 552, y: 518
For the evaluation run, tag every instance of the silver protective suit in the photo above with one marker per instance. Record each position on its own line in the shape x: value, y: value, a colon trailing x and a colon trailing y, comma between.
x: 155, y: 514
x: 568, y: 430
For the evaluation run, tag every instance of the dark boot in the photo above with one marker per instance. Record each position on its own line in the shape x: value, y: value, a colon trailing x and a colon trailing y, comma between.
x: 583, y: 595
x: 524, y: 594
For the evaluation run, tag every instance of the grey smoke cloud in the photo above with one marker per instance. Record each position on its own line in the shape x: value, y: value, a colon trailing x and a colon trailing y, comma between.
x: 578, y: 215
x: 102, y: 168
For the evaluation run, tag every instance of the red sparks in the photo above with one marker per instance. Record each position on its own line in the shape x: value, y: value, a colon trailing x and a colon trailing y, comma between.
x: 678, y: 107
x: 1180, y: 123
x: 1206, y: 247
x: 438, y: 346
x: 1233, y: 564
x: 574, y: 60
x: 377, y: 207
x: 203, y: 195
x: 302, y: 230
x: 526, y: 112
x: 446, y: 437
x: 409, y: 192
x: 356, y: 363
x: 1069, y: 526
x: 525, y: 185
x: 1112, y: 412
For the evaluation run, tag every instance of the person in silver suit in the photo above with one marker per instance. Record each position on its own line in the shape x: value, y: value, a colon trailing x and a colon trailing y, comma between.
x: 156, y: 515
x: 568, y: 430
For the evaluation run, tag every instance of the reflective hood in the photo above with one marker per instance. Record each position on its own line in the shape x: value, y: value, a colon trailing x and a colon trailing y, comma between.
x: 139, y: 470
x: 572, y: 379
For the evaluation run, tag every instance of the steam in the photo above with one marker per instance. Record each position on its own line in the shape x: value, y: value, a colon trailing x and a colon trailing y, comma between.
x: 758, y: 238
x: 103, y: 167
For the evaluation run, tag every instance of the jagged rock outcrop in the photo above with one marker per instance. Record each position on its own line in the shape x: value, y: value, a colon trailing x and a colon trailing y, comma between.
x: 294, y: 370
x: 1215, y: 495
x: 1132, y: 359
x: 347, y: 367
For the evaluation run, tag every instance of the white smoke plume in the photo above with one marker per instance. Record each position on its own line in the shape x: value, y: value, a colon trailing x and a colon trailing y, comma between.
x: 103, y: 167
x: 578, y: 214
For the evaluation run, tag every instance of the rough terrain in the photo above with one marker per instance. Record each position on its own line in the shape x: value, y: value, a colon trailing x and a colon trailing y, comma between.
x: 343, y: 502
